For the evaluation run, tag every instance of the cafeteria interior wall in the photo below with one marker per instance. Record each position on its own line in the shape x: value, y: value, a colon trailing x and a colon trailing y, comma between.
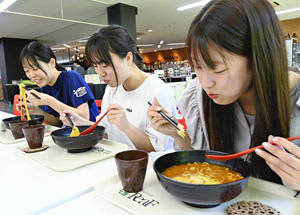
x: 291, y: 26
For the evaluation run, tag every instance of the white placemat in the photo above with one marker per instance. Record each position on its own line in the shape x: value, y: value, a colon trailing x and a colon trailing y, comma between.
x: 58, y: 159
x: 6, y: 136
x: 155, y: 200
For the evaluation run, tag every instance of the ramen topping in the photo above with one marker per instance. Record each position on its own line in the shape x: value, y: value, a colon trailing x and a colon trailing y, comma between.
x: 75, y: 131
x: 202, y: 173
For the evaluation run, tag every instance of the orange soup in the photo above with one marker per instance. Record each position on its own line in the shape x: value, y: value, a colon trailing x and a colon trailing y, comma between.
x: 202, y: 173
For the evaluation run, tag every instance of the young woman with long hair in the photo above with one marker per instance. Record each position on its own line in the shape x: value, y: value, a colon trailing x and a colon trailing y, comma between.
x: 244, y: 92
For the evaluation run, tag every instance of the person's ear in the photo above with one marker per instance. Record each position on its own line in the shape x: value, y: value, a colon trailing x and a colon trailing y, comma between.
x: 129, y: 58
x: 52, y: 63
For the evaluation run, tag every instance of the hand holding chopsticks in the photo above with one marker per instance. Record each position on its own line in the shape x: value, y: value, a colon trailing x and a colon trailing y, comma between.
x: 178, y: 126
x: 171, y: 121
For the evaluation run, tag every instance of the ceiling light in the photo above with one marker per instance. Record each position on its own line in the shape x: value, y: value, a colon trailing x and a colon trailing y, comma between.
x: 144, y: 45
x: 196, y: 4
x: 158, y: 46
x: 67, y: 46
x: 287, y: 11
x: 98, y: 1
x: 150, y: 30
x: 155, y: 50
x: 55, y: 49
x: 171, y: 48
x: 175, y: 44
x: 82, y: 41
x: 6, y: 4
x: 138, y: 38
x: 161, y: 42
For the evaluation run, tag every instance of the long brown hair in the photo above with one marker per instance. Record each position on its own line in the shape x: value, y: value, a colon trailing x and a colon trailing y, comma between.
x: 248, y: 28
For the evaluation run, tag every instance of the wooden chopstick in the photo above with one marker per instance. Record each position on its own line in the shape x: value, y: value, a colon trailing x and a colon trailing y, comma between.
x: 171, y: 121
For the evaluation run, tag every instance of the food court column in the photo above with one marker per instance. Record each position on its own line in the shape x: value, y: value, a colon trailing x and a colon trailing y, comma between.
x: 124, y: 15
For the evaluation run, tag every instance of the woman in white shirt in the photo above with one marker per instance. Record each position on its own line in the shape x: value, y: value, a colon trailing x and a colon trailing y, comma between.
x: 113, y: 53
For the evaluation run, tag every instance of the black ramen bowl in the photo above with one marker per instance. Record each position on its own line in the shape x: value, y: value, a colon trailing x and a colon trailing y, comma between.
x: 35, y: 120
x: 78, y: 143
x: 203, y: 196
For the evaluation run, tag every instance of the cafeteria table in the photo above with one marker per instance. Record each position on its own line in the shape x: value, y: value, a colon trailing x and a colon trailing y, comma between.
x: 27, y: 187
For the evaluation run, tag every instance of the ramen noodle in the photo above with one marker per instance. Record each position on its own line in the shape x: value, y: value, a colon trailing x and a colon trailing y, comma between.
x: 75, y: 131
x: 180, y: 132
x: 23, y: 100
x: 202, y: 173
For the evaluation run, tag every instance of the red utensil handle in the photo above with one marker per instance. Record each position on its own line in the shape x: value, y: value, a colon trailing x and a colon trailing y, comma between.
x: 247, y: 151
x: 261, y: 146
x: 232, y: 156
x: 293, y: 138
x: 92, y: 128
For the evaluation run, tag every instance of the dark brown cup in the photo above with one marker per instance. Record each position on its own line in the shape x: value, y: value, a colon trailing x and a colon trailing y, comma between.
x: 34, y: 135
x: 16, y: 128
x: 132, y: 166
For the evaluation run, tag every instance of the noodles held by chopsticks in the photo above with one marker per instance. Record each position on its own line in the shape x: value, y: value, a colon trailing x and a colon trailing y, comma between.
x: 180, y: 132
x: 75, y: 131
x: 23, y: 100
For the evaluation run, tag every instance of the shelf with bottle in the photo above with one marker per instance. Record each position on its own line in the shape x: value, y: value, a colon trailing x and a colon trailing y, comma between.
x: 297, y: 60
x: 173, y: 69
x: 291, y: 51
x: 298, y: 48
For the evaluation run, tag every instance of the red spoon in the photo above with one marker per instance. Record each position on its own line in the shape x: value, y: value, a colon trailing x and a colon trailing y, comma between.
x: 233, y: 156
x: 92, y: 128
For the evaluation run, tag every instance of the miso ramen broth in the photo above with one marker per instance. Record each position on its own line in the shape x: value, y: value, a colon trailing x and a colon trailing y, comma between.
x: 202, y: 173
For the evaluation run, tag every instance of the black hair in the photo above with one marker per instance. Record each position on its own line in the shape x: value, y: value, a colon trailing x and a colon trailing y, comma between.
x: 36, y: 51
x: 115, y: 39
x: 248, y: 28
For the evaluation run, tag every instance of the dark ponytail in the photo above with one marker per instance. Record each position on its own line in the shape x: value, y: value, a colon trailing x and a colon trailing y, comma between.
x: 36, y: 51
x: 59, y: 67
x: 138, y: 60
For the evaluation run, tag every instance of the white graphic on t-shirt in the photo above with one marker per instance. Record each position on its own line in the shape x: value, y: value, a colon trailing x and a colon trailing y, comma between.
x: 81, y: 91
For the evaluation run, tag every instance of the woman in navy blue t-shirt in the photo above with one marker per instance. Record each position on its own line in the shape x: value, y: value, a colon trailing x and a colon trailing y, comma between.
x: 60, y: 89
